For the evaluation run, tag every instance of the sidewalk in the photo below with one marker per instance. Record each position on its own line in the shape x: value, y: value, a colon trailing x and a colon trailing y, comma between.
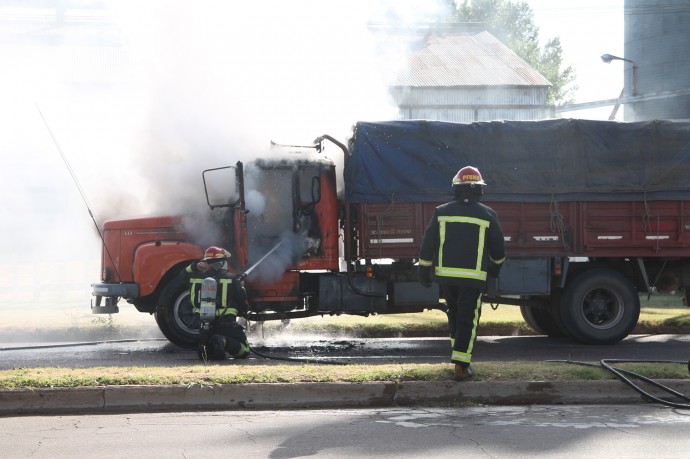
x: 113, y: 399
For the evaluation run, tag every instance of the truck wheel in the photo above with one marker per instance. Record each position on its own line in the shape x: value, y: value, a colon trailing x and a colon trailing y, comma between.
x: 600, y: 306
x: 555, y: 311
x: 541, y: 321
x: 175, y: 315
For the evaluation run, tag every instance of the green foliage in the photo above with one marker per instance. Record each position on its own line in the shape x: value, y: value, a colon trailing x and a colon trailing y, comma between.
x: 549, y: 64
x: 513, y: 24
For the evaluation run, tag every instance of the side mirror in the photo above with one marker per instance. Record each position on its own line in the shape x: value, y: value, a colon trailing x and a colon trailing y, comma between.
x: 221, y: 186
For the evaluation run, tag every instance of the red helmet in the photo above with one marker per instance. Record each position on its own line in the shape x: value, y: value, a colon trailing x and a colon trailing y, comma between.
x: 468, y: 175
x: 216, y: 254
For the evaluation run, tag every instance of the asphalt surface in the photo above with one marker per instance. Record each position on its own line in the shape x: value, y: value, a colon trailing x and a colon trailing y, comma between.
x: 337, y: 395
x: 160, y: 352
x: 505, y: 432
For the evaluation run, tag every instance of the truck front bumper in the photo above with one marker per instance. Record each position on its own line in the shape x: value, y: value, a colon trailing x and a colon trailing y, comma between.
x: 112, y: 294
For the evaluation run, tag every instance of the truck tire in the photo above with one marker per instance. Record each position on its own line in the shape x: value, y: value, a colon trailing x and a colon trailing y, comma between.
x: 174, y: 313
x: 600, y: 306
x: 541, y: 321
x: 556, y: 312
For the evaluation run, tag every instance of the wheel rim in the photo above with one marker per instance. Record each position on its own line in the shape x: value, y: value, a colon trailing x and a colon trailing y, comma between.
x: 602, y: 308
x: 184, y: 316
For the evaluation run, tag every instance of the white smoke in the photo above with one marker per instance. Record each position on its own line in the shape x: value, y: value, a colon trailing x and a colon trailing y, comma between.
x: 255, y: 202
x: 216, y: 82
x: 184, y: 86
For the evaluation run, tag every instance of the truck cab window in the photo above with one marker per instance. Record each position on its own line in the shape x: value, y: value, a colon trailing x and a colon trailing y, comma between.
x: 269, y: 201
x: 309, y: 185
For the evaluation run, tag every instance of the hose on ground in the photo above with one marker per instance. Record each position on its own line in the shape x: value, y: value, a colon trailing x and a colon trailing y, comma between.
x: 626, y: 375
x: 299, y: 360
x: 114, y: 341
x: 77, y: 344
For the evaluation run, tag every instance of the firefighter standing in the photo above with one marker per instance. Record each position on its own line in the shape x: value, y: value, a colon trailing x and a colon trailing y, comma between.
x: 464, y: 244
x: 225, y: 334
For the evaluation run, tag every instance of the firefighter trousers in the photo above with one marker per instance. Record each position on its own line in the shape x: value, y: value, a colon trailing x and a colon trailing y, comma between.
x: 225, y: 335
x: 464, y: 311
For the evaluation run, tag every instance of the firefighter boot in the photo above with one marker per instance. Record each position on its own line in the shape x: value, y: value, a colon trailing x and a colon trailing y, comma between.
x: 463, y: 372
x: 204, y: 336
x: 238, y: 349
x: 216, y: 348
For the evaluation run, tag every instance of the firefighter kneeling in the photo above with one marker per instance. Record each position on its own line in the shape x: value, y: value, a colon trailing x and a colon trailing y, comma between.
x: 219, y: 298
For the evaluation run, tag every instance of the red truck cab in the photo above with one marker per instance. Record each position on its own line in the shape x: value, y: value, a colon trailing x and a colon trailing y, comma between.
x: 293, y: 211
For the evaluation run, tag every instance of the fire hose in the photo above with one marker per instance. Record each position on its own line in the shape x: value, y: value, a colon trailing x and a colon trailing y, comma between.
x: 116, y: 341
x: 299, y: 360
x: 205, y: 318
x: 626, y: 375
x: 77, y: 344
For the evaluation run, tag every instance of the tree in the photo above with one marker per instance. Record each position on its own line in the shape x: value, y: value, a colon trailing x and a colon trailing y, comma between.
x: 513, y: 24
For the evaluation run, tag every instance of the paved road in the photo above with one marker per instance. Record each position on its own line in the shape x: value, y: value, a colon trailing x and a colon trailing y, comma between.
x: 630, y: 431
x: 409, y: 350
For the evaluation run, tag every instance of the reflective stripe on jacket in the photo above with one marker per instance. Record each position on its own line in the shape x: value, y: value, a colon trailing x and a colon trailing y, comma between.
x: 460, y: 241
x: 473, y: 270
x: 231, y: 297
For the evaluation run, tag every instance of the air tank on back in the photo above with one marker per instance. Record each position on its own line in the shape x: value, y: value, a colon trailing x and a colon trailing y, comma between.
x: 657, y: 40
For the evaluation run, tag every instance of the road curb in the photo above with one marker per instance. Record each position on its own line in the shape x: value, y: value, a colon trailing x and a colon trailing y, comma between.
x: 195, y: 397
x: 317, y: 395
x: 527, y: 392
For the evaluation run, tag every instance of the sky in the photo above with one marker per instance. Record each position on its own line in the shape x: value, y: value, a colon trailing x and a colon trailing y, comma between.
x: 140, y: 148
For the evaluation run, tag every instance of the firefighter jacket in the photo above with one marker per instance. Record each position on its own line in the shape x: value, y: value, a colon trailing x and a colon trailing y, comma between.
x: 463, y: 242
x: 231, y: 297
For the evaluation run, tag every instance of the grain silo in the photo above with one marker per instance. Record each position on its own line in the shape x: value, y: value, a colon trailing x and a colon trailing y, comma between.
x: 657, y: 45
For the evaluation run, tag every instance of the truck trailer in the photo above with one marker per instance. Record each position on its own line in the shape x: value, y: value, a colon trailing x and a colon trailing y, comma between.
x: 594, y: 214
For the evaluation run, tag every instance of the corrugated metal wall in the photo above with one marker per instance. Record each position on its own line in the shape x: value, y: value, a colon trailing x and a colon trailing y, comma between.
x: 468, y: 104
x: 657, y: 39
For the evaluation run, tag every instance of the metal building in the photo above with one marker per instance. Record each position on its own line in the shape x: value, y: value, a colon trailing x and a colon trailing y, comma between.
x: 466, y: 77
x: 657, y: 50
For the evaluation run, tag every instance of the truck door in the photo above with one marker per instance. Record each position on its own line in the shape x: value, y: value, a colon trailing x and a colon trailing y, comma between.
x: 224, y: 188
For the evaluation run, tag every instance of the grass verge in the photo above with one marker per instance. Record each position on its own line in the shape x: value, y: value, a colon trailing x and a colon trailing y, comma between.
x: 207, y: 375
x: 660, y: 314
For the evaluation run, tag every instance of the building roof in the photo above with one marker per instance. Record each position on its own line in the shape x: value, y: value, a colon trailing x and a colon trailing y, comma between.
x: 467, y: 59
